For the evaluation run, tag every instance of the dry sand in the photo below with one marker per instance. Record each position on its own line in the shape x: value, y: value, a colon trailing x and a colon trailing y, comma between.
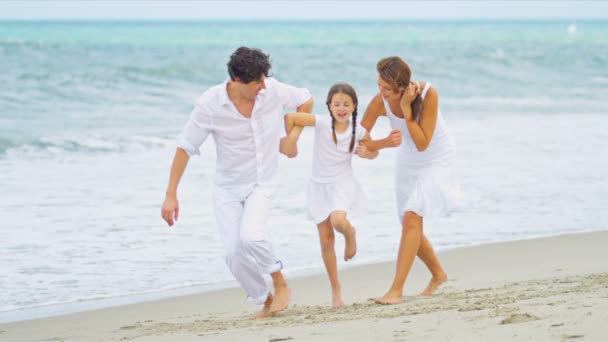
x: 549, y: 289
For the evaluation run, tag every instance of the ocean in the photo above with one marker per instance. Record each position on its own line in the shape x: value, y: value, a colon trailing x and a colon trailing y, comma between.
x: 89, y: 113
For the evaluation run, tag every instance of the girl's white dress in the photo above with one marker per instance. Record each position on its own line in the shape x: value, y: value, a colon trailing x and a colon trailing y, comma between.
x: 332, y: 185
x: 424, y: 181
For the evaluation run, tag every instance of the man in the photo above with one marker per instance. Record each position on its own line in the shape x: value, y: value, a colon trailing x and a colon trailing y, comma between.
x: 244, y: 116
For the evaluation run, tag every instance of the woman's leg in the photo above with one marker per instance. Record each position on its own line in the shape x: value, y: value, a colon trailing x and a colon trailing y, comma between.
x: 411, y: 236
x: 427, y: 254
x: 327, y: 239
x: 338, y: 220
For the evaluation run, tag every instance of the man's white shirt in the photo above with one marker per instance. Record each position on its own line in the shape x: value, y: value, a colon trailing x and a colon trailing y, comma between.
x: 247, y: 148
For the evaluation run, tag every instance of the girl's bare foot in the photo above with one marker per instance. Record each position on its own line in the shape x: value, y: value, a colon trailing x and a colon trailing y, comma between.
x: 434, y: 284
x: 350, y: 244
x: 265, y: 312
x: 337, y: 301
x: 390, y: 298
x: 280, y: 302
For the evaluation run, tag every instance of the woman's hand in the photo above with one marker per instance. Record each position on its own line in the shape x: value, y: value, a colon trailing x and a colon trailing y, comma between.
x: 394, y: 138
x: 407, y: 97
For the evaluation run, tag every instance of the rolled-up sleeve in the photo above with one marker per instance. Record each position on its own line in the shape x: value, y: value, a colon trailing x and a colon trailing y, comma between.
x: 293, y: 96
x: 195, y: 131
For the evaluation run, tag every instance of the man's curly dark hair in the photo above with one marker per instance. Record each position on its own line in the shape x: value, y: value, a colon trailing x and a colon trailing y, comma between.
x: 248, y: 64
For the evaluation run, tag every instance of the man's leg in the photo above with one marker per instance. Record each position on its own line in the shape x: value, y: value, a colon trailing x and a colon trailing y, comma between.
x: 229, y: 214
x: 254, y: 239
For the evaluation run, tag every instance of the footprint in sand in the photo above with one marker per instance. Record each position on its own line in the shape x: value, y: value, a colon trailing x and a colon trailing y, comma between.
x: 277, y: 339
x: 519, y: 318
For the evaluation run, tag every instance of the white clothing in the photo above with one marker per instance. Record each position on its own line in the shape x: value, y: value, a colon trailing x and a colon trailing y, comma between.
x: 243, y: 231
x: 333, y: 186
x: 246, y: 173
x: 247, y: 148
x: 425, y: 183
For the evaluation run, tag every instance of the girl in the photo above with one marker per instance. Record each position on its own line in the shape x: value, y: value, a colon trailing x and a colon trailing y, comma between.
x: 333, y: 192
x: 424, y: 182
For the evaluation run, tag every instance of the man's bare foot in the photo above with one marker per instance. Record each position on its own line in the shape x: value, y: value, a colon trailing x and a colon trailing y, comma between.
x: 265, y: 312
x: 434, y: 284
x: 280, y: 302
x: 390, y: 298
x: 350, y: 244
x: 337, y: 302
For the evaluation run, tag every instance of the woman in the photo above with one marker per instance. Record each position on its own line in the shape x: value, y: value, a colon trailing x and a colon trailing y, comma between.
x: 424, y: 182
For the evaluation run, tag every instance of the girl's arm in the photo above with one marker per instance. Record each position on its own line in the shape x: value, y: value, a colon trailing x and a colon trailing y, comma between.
x: 298, y: 119
x: 294, y: 123
x: 422, y: 131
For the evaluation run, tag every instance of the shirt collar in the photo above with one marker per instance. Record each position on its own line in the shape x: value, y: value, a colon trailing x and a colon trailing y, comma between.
x: 224, y: 99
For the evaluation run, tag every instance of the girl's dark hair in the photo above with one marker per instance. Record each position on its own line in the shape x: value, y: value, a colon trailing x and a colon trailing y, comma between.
x: 398, y: 74
x: 248, y: 64
x: 346, y: 89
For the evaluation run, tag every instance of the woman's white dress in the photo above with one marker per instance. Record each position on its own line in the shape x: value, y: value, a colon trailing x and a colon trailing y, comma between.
x: 424, y: 181
x: 333, y: 186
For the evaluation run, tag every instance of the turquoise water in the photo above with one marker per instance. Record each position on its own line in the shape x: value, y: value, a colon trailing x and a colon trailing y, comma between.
x: 89, y: 112
x: 109, y: 76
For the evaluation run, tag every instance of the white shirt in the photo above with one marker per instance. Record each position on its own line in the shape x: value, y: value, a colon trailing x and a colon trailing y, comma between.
x: 247, y: 148
x: 331, y: 161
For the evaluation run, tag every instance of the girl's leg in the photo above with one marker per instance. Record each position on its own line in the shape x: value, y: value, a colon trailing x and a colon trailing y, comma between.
x: 411, y: 236
x: 428, y: 256
x: 338, y: 220
x: 327, y: 239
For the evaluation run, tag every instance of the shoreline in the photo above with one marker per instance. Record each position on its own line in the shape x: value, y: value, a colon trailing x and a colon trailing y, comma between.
x: 54, y: 310
x: 529, y: 282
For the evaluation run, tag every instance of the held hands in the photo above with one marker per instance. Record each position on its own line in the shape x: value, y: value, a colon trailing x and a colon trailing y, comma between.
x: 288, y: 147
x: 364, y: 152
x: 170, y: 210
x: 407, y: 97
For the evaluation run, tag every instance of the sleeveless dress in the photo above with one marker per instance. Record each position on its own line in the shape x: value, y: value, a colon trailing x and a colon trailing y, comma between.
x: 424, y: 181
x: 332, y: 185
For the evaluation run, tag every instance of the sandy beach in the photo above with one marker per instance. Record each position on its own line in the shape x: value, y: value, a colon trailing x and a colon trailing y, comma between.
x: 548, y: 289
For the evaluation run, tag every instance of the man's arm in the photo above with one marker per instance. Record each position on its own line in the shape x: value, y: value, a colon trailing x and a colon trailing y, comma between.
x: 170, y: 209
x: 293, y: 133
x: 305, y: 107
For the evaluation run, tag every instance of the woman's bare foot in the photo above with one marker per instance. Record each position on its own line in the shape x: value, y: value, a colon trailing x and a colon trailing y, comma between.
x: 350, y: 244
x: 280, y: 302
x: 434, y: 284
x: 390, y: 298
x: 337, y: 301
x: 265, y: 312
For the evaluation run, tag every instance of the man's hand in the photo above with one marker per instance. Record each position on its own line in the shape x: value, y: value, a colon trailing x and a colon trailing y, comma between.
x: 170, y: 209
x: 288, y: 147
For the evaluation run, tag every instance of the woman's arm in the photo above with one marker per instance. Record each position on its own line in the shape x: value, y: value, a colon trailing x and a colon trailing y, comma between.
x: 422, y: 131
x: 392, y: 140
x: 374, y: 109
x: 369, y: 148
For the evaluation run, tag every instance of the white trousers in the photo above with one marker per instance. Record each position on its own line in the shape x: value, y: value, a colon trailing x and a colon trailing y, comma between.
x: 241, y: 220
